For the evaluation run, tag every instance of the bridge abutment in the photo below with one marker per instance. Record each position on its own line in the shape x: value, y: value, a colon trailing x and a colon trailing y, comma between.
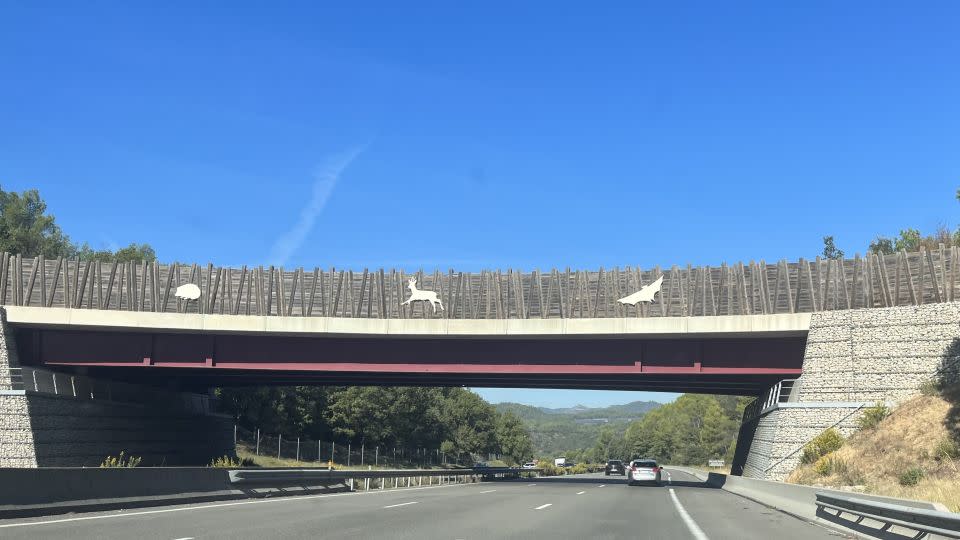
x: 50, y: 419
x: 853, y: 359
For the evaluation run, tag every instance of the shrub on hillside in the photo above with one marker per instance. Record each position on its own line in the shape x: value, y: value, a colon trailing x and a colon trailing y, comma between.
x: 549, y: 469
x: 930, y: 387
x: 121, y: 461
x: 579, y: 468
x: 831, y: 464
x: 872, y: 416
x: 227, y: 462
x: 911, y: 476
x: 829, y: 441
x: 822, y: 466
x: 947, y: 448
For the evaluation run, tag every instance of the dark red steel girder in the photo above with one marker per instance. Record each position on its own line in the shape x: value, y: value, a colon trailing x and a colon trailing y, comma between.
x: 608, y: 362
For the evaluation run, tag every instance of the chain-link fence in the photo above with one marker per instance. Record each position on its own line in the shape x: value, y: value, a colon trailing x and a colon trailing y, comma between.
x: 261, y: 442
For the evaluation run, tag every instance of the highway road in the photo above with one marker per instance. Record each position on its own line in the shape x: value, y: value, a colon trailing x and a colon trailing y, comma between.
x: 582, y: 506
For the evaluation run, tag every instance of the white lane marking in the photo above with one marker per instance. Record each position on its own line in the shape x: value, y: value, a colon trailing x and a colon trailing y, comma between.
x: 528, y: 485
x: 184, y: 538
x: 224, y: 505
x: 581, y: 492
x: 602, y: 485
x: 695, y: 529
x: 542, y: 506
x: 401, y: 504
x: 488, y: 491
x: 669, y: 478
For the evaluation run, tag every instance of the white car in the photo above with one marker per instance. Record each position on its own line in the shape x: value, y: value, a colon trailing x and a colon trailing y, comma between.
x: 529, y: 465
x: 643, y: 470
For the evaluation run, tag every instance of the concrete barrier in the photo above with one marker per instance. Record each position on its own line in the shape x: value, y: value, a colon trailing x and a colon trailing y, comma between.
x: 34, y: 492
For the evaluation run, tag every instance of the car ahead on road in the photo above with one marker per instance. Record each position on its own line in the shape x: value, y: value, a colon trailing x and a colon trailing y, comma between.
x: 643, y: 470
x: 529, y: 465
x: 614, y: 466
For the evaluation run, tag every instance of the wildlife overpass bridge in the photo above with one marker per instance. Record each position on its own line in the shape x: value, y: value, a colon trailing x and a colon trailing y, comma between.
x: 729, y: 329
x: 854, y: 331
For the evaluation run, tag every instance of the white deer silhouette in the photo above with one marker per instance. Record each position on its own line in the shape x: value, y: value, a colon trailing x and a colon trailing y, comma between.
x: 417, y: 295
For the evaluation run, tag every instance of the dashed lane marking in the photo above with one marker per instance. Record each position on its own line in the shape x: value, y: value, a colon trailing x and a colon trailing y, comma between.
x: 401, y: 504
x: 542, y: 506
x: 695, y: 529
x: 488, y: 491
x: 581, y: 492
x: 602, y: 485
x: 300, y: 498
x: 529, y: 485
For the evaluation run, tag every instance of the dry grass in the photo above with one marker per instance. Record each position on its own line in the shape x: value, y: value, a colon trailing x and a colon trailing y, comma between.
x: 873, y: 460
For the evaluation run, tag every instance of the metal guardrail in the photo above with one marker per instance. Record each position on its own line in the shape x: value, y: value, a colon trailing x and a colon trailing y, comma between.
x: 280, y: 476
x: 918, y: 519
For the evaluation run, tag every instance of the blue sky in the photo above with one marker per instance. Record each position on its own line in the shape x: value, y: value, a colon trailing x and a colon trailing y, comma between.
x: 483, y: 134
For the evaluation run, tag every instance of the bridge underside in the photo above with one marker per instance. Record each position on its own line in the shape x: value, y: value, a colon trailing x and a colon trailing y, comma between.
x: 194, y: 360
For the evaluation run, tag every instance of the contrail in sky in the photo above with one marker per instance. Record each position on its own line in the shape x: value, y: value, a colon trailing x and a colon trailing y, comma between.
x: 326, y: 178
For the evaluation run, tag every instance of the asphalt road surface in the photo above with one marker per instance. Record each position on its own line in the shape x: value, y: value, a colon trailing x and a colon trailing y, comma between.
x: 582, y: 506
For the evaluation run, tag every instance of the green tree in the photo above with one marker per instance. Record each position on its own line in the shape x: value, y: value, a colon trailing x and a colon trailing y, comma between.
x: 691, y: 430
x: 882, y: 245
x: 909, y: 240
x: 513, y: 439
x: 27, y: 229
x: 132, y: 253
x: 830, y: 250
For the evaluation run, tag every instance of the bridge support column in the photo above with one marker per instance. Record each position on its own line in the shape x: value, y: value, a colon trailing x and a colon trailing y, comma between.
x: 853, y: 359
x: 54, y: 419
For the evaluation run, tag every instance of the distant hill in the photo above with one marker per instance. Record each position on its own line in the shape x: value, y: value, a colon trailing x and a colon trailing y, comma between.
x: 556, y: 431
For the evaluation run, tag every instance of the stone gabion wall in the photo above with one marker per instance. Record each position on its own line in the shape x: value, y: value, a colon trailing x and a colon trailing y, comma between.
x: 71, y: 432
x: 781, y: 435
x: 16, y: 436
x: 63, y: 431
x: 8, y: 352
x: 878, y: 354
x: 855, y: 357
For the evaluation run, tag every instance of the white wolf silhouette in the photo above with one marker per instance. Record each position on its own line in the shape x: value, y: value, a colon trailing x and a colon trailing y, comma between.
x: 417, y: 295
x: 645, y: 294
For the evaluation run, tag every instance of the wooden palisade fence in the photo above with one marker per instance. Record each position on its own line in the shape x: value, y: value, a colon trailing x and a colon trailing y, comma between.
x: 741, y: 289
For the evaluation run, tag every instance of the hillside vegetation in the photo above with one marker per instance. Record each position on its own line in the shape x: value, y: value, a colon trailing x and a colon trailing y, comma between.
x: 913, y: 453
x: 454, y: 421
x: 688, y: 431
x: 569, y: 431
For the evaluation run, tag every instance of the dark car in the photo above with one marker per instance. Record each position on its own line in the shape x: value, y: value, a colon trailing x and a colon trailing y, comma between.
x: 614, y: 466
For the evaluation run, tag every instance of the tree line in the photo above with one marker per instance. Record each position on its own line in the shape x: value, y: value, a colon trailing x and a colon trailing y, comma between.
x: 908, y: 239
x: 691, y: 430
x: 455, y: 421
x: 28, y: 230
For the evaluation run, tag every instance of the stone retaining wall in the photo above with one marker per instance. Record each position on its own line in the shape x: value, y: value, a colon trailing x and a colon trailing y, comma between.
x: 45, y: 430
x: 878, y: 354
x: 853, y: 359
